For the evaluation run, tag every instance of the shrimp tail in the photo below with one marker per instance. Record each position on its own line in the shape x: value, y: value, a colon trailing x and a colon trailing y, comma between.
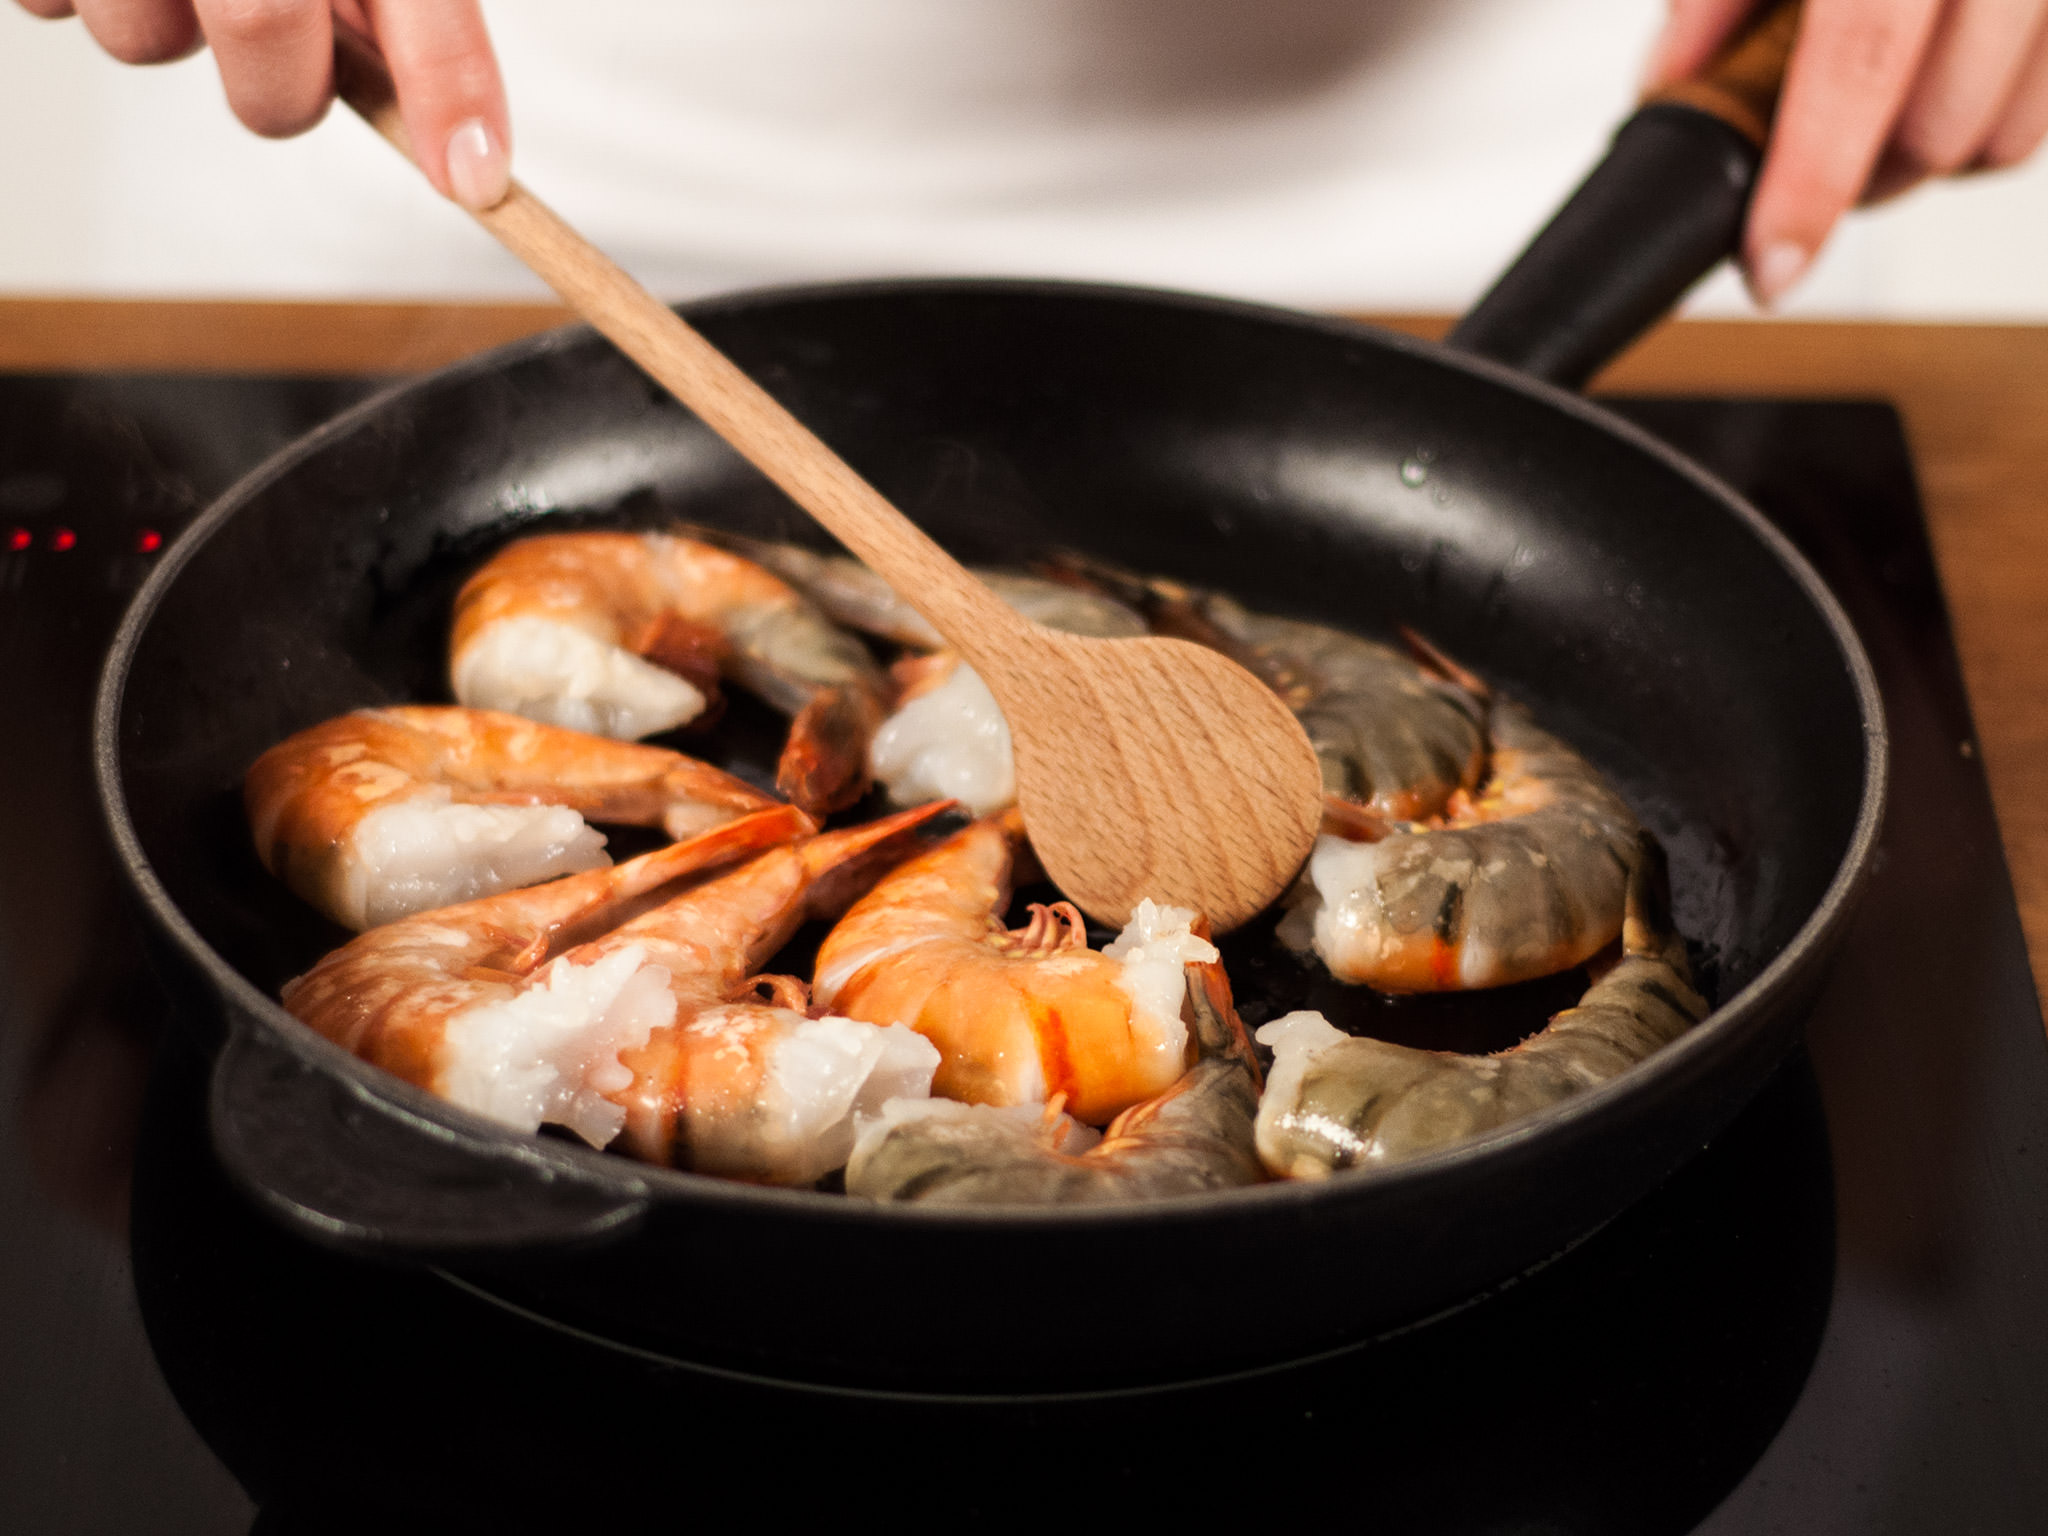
x: 701, y: 797
x: 694, y: 651
x: 1426, y: 652
x: 1182, y: 613
x: 824, y: 765
x: 842, y: 865
x: 711, y: 849
x: 1647, y: 930
x: 1219, y: 1034
x: 612, y: 896
x: 1353, y: 822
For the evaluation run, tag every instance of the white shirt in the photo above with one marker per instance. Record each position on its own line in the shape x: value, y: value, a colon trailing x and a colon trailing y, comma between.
x: 1327, y: 153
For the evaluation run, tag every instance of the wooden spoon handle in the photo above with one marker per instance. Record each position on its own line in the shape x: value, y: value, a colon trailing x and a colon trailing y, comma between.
x: 745, y: 415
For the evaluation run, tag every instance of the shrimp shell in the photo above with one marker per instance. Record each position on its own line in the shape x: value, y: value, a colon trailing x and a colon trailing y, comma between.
x: 715, y: 1089
x: 1339, y: 1101
x: 1396, y: 734
x: 690, y: 605
x: 1525, y: 881
x: 946, y: 737
x: 314, y: 799
x: 853, y: 595
x: 391, y: 994
x: 496, y: 1006
x: 1196, y: 1136
x: 1017, y: 1016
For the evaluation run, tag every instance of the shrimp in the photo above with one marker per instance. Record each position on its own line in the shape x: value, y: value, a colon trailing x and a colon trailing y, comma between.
x: 853, y: 595
x: 1196, y: 1136
x: 749, y: 1085
x: 424, y: 997
x: 1017, y: 1015
x: 946, y: 737
x: 1338, y: 1101
x: 543, y: 1006
x: 1398, y: 734
x: 557, y: 626
x: 381, y: 813
x: 1525, y: 880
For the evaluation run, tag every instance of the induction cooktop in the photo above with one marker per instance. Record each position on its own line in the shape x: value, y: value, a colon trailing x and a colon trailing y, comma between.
x: 1835, y: 1318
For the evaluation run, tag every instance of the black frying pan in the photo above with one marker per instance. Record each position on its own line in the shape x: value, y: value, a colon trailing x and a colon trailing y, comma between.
x: 1309, y: 466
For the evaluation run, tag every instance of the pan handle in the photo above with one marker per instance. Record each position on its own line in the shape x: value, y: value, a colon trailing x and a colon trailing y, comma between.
x: 350, y: 1169
x: 1654, y: 216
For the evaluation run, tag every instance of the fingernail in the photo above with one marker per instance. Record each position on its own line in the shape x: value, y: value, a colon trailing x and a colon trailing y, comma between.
x: 478, y: 171
x: 1776, y: 268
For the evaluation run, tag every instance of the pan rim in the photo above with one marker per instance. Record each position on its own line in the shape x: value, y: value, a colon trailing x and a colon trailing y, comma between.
x: 630, y: 1180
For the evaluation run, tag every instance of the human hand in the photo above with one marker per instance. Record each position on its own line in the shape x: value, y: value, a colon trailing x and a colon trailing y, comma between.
x: 276, y: 61
x: 1880, y: 95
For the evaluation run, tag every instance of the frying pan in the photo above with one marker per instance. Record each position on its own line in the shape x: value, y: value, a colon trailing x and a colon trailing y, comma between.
x: 1309, y: 466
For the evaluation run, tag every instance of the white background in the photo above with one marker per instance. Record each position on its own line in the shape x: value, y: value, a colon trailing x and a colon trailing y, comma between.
x: 1388, y: 154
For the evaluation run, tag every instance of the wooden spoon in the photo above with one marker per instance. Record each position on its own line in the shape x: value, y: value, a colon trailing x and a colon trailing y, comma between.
x: 1146, y: 767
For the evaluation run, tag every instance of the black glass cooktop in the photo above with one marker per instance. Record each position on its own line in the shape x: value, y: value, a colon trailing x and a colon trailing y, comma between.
x: 1835, y: 1319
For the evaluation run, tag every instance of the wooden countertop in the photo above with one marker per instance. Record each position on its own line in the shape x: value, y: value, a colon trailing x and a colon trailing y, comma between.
x: 1975, y: 401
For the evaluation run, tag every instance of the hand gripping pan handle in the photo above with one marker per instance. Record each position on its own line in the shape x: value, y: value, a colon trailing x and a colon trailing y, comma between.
x: 353, y: 1169
x: 1656, y: 215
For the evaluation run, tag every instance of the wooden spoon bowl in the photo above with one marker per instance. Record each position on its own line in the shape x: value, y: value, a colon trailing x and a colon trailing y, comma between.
x: 1146, y: 767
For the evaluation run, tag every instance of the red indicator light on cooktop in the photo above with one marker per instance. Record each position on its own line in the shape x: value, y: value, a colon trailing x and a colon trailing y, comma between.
x: 62, y: 538
x: 148, y: 542
x: 19, y: 539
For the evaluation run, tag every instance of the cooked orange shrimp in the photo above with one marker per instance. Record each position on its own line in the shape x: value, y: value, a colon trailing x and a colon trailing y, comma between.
x: 464, y: 1002
x: 566, y: 627
x: 1525, y: 880
x: 747, y: 1085
x: 1018, y: 1016
x: 651, y: 1027
x: 384, y: 812
x: 1195, y: 1136
x: 1336, y: 1101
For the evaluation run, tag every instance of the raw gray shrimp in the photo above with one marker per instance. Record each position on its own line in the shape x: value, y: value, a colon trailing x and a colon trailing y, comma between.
x: 945, y: 738
x: 1396, y: 734
x: 624, y: 634
x: 855, y: 596
x: 1339, y: 1101
x: 1196, y: 1136
x: 1524, y: 880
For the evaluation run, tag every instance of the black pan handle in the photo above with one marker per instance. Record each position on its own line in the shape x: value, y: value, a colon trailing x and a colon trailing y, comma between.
x: 1657, y: 214
x: 348, y: 1168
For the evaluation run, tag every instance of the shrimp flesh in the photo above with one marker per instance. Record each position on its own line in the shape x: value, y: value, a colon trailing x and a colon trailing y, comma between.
x: 1018, y: 1016
x: 1525, y: 880
x: 566, y: 627
x: 1196, y: 1136
x: 1340, y: 1101
x: 946, y: 738
x: 381, y: 813
x: 1399, y: 734
x: 650, y: 1026
x: 748, y: 1085
x: 427, y: 997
